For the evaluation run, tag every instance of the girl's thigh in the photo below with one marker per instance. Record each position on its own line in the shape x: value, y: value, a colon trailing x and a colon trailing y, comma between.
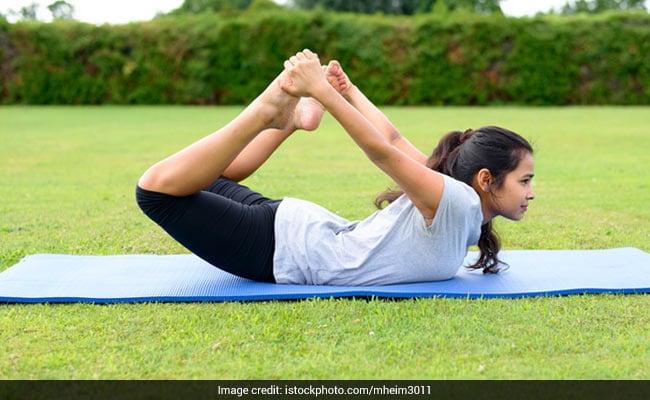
x: 231, y: 235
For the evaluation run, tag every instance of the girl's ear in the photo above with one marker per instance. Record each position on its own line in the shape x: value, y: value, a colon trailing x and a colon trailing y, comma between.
x: 484, y: 179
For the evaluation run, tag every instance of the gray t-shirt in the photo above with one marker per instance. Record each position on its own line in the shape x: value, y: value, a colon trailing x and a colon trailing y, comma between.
x: 316, y: 247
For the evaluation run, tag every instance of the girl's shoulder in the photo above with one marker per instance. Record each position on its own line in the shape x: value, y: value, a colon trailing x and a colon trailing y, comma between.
x: 456, y: 188
x: 459, y: 196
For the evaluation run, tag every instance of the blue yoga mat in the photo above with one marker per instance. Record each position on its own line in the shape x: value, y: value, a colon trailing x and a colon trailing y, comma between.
x: 57, y: 278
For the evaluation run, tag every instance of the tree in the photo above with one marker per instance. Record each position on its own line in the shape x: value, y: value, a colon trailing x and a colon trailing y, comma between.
x: 479, y: 6
x: 61, y: 10
x: 28, y: 13
x: 263, y: 5
x: 440, y: 7
x: 400, y: 7
x: 200, y: 6
x: 596, y: 6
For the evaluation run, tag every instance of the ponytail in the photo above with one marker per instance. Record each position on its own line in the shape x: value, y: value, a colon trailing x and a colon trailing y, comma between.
x: 445, y: 153
x: 489, y: 245
x: 461, y: 155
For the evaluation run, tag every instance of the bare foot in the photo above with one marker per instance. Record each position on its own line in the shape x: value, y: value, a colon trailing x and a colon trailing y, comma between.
x: 277, y: 107
x: 280, y: 110
x: 337, y: 78
x: 308, y: 114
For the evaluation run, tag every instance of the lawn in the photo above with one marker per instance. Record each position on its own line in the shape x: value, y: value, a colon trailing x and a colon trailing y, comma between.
x: 67, y: 176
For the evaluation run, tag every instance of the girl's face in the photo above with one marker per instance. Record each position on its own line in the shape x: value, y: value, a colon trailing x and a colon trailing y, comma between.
x: 511, y: 199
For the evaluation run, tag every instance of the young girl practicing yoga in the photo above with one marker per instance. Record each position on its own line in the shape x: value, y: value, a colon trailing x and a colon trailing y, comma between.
x: 445, y: 202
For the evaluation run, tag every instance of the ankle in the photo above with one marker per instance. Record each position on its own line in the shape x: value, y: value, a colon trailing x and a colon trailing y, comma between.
x: 267, y: 114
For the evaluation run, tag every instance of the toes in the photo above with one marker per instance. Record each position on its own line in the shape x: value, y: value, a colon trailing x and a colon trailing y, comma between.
x: 334, y: 66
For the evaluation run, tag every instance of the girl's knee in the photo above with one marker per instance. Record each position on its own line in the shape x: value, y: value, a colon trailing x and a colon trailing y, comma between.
x: 152, y: 204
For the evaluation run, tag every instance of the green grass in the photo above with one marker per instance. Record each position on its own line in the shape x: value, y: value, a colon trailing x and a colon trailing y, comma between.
x: 67, y: 177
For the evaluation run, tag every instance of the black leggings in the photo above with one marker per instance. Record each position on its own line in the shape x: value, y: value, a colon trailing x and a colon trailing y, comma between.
x: 227, y: 225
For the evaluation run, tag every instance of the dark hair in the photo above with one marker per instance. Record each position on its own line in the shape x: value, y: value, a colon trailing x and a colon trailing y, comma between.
x: 462, y: 155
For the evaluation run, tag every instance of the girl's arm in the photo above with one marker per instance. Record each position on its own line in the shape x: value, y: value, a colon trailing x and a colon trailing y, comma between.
x: 422, y: 185
x: 342, y: 83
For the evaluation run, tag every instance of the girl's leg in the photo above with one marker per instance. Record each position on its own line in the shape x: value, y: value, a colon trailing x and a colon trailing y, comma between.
x: 227, y: 225
x: 235, y: 235
x: 199, y: 164
x: 241, y: 194
x: 307, y: 116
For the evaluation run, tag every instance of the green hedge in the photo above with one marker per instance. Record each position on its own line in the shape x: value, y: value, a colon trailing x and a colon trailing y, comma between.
x: 429, y: 59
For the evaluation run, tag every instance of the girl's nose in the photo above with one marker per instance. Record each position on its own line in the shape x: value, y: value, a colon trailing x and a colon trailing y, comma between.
x: 531, y: 195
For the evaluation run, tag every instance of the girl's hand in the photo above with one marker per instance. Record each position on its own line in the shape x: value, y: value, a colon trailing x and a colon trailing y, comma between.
x: 303, y: 75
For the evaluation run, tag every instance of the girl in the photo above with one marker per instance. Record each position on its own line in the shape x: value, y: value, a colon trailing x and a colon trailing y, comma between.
x: 445, y: 203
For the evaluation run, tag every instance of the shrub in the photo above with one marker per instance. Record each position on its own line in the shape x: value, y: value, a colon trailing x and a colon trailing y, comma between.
x: 453, y: 58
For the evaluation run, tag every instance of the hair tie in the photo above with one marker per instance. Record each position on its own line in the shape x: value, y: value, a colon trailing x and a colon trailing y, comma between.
x: 466, y: 135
